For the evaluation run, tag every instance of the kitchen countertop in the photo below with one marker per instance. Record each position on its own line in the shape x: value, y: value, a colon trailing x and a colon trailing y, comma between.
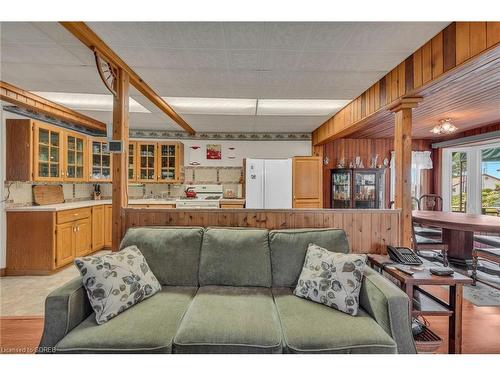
x: 83, y: 204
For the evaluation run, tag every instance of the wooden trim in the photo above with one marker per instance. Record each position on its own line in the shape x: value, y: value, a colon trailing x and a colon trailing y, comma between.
x: 2, y: 272
x: 85, y: 34
x: 368, y: 231
x: 30, y: 101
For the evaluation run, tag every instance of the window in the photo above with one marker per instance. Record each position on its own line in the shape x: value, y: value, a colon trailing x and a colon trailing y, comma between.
x: 420, y: 160
x: 471, y: 179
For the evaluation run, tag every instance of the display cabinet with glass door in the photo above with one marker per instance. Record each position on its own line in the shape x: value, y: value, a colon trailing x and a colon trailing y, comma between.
x: 100, y: 160
x: 47, y: 153
x: 75, y: 146
x: 367, y: 188
x: 170, y: 157
x: 341, y: 188
x: 132, y: 146
x: 146, y: 162
x: 358, y: 188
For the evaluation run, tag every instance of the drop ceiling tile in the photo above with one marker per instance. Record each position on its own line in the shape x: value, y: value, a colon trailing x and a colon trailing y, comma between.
x: 286, y: 35
x: 22, y: 32
x: 280, y: 60
x: 314, y: 61
x: 244, y: 59
x: 201, y: 34
x: 205, y: 59
x: 329, y: 36
x: 244, y: 35
x: 36, y: 54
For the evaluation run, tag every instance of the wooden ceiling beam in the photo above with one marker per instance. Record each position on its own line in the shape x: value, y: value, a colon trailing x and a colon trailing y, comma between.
x: 88, y: 37
x: 32, y: 102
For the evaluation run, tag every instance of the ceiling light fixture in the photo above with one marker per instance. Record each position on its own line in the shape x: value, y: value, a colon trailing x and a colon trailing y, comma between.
x: 213, y: 106
x: 88, y: 102
x: 299, y: 107
x: 444, y: 127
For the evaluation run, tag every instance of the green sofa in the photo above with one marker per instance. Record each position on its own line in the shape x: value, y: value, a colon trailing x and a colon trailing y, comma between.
x: 229, y: 290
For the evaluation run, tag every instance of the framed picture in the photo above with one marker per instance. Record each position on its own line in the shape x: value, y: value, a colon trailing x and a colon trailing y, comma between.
x: 214, y: 152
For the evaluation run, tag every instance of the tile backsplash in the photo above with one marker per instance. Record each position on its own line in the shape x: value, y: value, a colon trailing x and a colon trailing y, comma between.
x: 228, y: 177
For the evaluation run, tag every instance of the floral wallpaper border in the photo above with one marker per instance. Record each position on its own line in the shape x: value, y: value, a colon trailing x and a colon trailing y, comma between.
x: 221, y: 136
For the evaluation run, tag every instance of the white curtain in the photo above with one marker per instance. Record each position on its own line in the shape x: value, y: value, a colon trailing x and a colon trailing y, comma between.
x: 419, y: 160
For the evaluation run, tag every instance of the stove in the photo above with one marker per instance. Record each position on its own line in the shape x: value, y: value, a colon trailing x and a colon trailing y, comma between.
x: 207, y: 196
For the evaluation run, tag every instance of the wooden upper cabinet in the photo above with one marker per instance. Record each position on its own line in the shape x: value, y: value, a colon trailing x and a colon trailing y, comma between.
x: 307, y: 182
x: 132, y: 161
x: 75, y: 151
x: 19, y: 150
x: 170, y: 162
x: 146, y: 162
x: 159, y: 162
x: 99, y: 160
x: 47, y: 152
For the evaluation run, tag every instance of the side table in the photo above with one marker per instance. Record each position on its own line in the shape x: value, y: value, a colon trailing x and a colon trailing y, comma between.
x: 424, y: 303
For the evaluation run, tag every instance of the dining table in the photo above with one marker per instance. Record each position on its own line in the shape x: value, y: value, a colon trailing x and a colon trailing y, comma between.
x: 458, y: 230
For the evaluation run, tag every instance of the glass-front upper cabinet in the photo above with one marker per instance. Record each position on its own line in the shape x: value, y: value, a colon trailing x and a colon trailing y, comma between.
x: 146, y: 156
x: 48, y: 153
x: 75, y: 145
x: 100, y: 160
x: 341, y: 188
x: 167, y: 161
x: 132, y: 161
x: 366, y: 189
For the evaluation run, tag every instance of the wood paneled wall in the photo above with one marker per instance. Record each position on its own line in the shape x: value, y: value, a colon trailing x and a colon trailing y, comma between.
x: 368, y: 231
x: 453, y: 46
x: 348, y: 149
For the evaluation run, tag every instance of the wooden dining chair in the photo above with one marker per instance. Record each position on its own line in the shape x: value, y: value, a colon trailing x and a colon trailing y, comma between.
x: 431, y: 202
x: 491, y: 254
x: 421, y: 242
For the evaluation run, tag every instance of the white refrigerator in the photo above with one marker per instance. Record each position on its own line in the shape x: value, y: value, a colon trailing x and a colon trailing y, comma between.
x: 268, y: 183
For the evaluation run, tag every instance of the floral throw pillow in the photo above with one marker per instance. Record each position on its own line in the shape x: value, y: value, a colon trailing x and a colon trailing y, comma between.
x: 333, y: 279
x: 117, y: 281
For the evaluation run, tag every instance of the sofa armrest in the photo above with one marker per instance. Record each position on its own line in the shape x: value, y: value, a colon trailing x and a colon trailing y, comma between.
x: 65, y: 308
x: 390, y: 307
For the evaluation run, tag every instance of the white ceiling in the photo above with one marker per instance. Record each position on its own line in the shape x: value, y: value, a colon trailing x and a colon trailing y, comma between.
x: 334, y: 61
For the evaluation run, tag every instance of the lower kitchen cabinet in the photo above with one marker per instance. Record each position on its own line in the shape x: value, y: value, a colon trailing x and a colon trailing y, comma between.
x: 65, y: 244
x: 97, y: 228
x: 40, y: 242
x: 108, y: 226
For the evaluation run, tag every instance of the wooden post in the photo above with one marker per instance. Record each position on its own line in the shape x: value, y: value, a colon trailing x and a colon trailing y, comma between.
x: 402, y: 147
x: 120, y: 160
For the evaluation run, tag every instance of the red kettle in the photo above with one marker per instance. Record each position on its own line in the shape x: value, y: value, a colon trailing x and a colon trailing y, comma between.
x: 190, y: 193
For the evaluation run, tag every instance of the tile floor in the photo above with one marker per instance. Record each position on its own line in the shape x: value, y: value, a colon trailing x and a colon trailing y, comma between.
x: 25, y: 295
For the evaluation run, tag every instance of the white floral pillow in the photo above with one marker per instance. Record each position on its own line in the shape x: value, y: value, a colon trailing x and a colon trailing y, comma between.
x: 333, y: 279
x: 117, y: 281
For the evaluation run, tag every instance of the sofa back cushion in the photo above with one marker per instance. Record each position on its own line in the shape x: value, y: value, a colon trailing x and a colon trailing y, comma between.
x: 289, y: 247
x: 235, y: 256
x: 173, y: 253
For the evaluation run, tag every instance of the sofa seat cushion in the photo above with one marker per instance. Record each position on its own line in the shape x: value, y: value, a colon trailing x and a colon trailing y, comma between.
x: 310, y: 327
x: 148, y: 327
x: 225, y: 319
